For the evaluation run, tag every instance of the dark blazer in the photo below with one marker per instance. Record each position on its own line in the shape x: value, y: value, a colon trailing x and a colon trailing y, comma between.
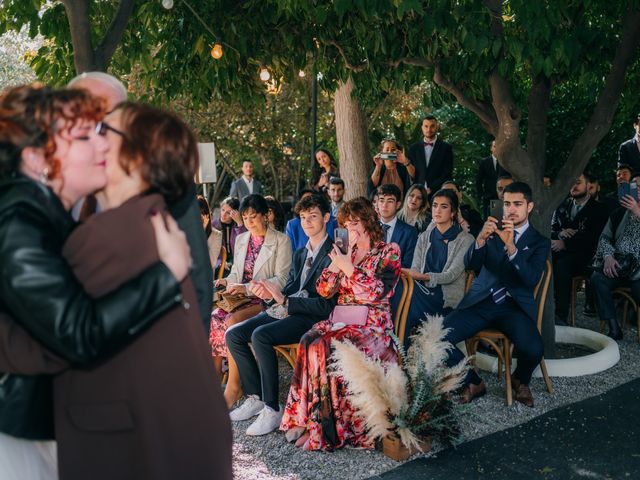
x: 239, y: 188
x: 486, y: 180
x: 402, y: 173
x: 589, y: 222
x: 406, y: 237
x: 519, y: 276
x: 629, y: 154
x: 440, y: 165
x: 187, y: 215
x: 155, y: 408
x: 314, y: 305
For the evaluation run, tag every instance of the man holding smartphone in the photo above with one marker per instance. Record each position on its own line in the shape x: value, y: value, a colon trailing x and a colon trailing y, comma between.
x: 510, y: 260
x: 292, y: 312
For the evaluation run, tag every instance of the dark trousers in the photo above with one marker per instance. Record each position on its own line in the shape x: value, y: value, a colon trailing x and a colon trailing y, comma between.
x: 259, y: 374
x: 566, y: 265
x: 506, y: 317
x: 603, y: 287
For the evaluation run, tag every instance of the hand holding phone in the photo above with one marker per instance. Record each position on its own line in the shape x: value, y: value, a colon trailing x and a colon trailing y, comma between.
x: 341, y: 239
x: 496, y: 211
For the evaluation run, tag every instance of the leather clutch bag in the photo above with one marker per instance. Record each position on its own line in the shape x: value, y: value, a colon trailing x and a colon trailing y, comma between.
x: 349, y: 315
x: 229, y: 302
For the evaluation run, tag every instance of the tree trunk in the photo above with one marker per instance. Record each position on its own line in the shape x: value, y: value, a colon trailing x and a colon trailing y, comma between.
x: 353, y: 147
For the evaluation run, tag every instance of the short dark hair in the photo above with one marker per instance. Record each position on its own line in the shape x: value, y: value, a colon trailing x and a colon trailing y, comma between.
x: 390, y: 189
x: 451, y: 196
x: 255, y: 202
x: 520, y: 187
x: 429, y: 116
x: 590, y: 177
x: 312, y: 201
x: 278, y: 212
x: 624, y: 166
x: 233, y: 202
x: 336, y: 181
x: 304, y: 191
x: 451, y: 182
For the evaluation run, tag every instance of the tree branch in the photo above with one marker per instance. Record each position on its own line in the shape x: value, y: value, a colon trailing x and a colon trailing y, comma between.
x: 113, y: 35
x: 602, y: 116
x: 482, y: 110
x: 80, y: 28
x: 348, y: 64
x: 538, y: 106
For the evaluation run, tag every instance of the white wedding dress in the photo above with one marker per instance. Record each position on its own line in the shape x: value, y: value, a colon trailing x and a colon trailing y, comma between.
x: 27, y: 459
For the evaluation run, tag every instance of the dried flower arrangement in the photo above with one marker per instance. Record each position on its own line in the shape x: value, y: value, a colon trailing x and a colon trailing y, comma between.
x: 412, y: 401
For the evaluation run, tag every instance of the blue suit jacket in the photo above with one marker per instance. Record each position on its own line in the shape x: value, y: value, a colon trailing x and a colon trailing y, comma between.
x: 406, y: 237
x: 297, y: 236
x: 519, y: 276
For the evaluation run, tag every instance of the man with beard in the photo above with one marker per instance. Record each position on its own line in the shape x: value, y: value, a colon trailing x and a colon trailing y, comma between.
x: 575, y: 228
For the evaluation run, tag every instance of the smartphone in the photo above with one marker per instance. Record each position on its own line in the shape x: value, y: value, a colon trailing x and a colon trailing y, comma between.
x: 633, y: 190
x: 341, y: 239
x: 624, y: 189
x: 496, y: 210
x: 389, y: 156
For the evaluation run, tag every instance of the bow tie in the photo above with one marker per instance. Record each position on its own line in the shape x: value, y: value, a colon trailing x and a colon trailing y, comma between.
x: 428, y: 144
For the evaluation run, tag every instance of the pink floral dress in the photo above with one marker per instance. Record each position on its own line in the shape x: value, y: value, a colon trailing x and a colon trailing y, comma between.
x: 317, y: 399
x: 219, y: 316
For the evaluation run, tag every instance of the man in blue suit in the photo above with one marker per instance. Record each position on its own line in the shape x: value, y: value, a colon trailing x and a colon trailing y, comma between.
x: 510, y: 260
x: 395, y: 230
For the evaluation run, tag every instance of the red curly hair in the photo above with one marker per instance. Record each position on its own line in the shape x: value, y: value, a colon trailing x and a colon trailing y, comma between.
x: 362, y: 209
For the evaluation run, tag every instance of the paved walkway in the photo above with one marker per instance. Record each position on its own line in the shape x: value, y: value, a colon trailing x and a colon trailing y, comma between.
x: 596, y: 438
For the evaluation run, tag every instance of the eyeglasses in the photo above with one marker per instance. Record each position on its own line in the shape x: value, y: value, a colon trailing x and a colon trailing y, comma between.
x: 103, y: 127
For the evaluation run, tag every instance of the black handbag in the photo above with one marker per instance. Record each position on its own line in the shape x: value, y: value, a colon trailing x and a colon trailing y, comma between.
x: 628, y: 264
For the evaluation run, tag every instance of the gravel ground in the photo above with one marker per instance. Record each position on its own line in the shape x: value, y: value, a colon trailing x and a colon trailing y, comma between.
x: 270, y: 457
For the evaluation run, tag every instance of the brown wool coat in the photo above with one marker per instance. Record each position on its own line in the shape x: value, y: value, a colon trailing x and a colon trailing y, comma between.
x: 154, y: 410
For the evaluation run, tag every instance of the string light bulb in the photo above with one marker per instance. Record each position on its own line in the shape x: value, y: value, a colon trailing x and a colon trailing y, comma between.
x: 216, y: 51
x: 301, y: 74
x: 167, y: 4
x: 264, y: 74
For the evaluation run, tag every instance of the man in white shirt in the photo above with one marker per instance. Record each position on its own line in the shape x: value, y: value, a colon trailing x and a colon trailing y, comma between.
x: 246, y: 184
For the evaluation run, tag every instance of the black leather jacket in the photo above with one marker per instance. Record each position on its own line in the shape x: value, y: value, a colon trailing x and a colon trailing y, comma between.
x: 38, y: 289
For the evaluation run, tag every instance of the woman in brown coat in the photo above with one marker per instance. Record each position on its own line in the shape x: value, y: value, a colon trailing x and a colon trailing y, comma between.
x: 153, y: 410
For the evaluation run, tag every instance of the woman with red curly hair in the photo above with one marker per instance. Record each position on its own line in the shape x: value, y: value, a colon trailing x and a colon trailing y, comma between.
x: 318, y: 414
x: 52, y: 153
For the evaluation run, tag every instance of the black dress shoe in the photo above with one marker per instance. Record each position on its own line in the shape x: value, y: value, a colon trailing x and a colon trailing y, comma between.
x: 472, y: 391
x: 615, y: 335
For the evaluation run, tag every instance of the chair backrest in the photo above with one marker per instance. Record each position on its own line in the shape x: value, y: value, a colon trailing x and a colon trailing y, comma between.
x: 540, y: 292
x: 402, y: 310
x: 223, y: 261
x: 470, y: 275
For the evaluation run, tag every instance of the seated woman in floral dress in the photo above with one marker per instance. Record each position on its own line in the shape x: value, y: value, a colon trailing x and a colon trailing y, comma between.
x: 318, y: 414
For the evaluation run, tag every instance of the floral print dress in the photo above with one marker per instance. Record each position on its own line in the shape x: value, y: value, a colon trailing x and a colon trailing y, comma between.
x: 219, y: 316
x: 317, y: 399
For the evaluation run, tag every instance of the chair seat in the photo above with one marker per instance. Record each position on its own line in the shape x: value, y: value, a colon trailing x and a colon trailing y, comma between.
x: 490, y: 334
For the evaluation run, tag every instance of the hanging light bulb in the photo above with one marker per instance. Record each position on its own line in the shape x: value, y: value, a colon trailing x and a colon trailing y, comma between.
x: 301, y: 74
x: 264, y: 74
x: 167, y: 4
x: 216, y: 51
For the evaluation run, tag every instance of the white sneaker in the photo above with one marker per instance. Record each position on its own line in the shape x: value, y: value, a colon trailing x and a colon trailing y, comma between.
x: 250, y: 408
x: 267, y: 422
